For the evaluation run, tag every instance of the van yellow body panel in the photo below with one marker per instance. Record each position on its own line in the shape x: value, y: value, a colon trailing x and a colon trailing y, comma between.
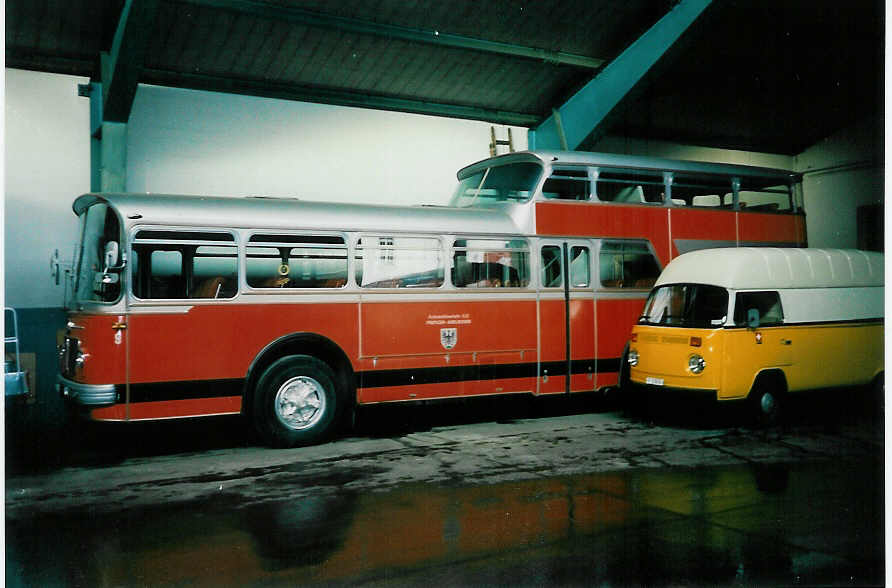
x: 664, y: 353
x: 810, y: 356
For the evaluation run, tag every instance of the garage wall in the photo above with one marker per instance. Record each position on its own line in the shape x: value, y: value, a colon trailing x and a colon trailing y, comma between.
x: 183, y: 141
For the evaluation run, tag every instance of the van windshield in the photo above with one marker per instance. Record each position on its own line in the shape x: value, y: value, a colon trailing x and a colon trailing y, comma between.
x: 686, y: 305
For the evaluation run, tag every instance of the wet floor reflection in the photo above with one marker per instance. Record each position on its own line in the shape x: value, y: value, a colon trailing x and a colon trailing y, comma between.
x: 817, y: 523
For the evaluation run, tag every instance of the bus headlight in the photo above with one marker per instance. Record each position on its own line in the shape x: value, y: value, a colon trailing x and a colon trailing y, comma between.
x: 633, y: 357
x: 696, y: 363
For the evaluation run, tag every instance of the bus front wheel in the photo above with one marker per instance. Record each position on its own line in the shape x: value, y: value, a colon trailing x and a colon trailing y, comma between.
x: 295, y: 402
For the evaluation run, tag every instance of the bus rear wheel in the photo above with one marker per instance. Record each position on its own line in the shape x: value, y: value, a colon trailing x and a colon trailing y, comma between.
x: 295, y: 402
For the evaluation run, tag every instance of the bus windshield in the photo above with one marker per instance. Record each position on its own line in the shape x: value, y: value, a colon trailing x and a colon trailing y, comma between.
x: 93, y: 281
x: 686, y: 305
x: 514, y: 182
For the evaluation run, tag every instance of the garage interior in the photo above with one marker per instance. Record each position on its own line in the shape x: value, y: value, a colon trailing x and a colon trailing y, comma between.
x: 342, y: 100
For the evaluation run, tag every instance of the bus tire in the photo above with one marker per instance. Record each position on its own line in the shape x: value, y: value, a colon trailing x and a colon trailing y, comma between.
x: 296, y: 402
x: 766, y: 401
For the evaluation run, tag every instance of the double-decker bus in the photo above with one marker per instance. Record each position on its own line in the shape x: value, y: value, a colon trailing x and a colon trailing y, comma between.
x: 294, y: 313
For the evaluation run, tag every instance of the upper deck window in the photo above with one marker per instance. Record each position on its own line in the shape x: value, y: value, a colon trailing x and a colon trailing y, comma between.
x: 568, y: 184
x: 513, y: 182
x: 690, y: 190
x: 630, y: 187
x: 755, y: 196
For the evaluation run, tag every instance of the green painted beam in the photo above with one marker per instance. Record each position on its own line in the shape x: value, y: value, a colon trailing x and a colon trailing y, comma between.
x: 581, y: 117
x: 120, y: 68
x: 305, y: 17
x: 326, y: 96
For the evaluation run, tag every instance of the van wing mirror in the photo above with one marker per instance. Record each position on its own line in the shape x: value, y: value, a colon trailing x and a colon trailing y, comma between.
x: 752, y: 318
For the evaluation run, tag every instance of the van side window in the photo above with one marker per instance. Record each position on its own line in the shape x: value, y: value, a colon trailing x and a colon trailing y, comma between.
x: 627, y: 264
x: 184, y: 264
x: 296, y: 261
x: 767, y: 303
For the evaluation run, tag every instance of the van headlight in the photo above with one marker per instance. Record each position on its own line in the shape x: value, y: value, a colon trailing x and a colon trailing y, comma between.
x: 633, y: 357
x: 696, y: 363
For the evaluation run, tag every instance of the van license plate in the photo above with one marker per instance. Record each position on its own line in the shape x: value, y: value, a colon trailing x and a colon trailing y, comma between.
x: 654, y: 381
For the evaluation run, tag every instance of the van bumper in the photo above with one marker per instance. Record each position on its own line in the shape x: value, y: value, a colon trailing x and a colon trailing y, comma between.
x: 648, y: 394
x: 91, y: 395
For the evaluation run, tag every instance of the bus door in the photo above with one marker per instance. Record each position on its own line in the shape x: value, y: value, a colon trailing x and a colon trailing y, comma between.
x: 566, y: 317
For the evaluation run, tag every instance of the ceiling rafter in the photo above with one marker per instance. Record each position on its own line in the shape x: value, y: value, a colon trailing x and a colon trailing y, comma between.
x: 433, y: 37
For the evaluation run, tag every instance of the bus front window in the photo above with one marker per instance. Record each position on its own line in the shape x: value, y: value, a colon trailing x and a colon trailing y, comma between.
x: 99, y: 253
x: 686, y: 305
x: 513, y: 182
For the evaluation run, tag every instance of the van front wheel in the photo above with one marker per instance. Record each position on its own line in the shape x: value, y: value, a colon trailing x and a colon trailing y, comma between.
x: 295, y: 402
x: 766, y: 406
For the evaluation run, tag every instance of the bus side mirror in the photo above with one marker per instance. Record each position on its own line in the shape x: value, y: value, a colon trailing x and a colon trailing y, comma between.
x: 106, y: 276
x: 752, y: 318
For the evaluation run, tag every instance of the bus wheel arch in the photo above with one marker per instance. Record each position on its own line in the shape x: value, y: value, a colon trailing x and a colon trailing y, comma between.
x: 767, y: 395
x: 320, y: 358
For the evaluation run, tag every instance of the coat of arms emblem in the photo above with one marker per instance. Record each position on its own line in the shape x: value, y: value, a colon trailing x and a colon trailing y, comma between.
x: 448, y: 337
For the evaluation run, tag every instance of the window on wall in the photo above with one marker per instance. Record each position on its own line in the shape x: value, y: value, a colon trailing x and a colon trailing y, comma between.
x: 296, y: 261
x: 627, y: 264
x: 176, y: 264
x: 392, y: 261
x: 491, y: 263
x: 630, y: 187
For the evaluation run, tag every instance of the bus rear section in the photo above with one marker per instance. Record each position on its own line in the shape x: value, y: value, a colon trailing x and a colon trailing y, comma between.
x: 757, y: 325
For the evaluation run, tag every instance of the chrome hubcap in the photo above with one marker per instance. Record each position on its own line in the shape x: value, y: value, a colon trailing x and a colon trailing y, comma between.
x: 300, y: 402
x: 768, y: 404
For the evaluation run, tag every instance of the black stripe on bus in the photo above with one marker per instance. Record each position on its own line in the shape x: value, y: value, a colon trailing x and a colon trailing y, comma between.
x: 188, y: 390
x: 483, y: 372
x: 198, y: 389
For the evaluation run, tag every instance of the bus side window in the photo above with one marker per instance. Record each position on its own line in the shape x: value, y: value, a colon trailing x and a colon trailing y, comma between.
x: 490, y: 263
x: 296, y: 261
x: 552, y: 275
x: 627, y: 264
x: 214, y: 271
x: 399, y: 262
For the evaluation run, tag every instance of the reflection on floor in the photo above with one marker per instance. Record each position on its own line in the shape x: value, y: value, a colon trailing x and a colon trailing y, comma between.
x: 806, y: 523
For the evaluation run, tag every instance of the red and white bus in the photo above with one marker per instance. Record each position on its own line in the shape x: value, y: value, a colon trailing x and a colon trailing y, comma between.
x: 293, y: 313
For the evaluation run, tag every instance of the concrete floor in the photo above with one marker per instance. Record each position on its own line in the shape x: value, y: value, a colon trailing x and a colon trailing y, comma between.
x: 434, y: 496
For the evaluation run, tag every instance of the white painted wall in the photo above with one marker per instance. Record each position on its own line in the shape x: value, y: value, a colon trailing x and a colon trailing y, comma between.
x: 189, y: 142
x: 47, y: 161
x: 842, y: 172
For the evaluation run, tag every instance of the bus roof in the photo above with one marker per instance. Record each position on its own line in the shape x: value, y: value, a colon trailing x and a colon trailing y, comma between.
x: 635, y: 162
x: 293, y: 214
x: 756, y: 268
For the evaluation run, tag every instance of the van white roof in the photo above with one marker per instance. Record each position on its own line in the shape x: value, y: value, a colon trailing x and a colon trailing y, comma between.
x: 756, y: 268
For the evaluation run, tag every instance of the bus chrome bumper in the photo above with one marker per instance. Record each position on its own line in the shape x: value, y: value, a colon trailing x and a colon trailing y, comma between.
x: 86, y: 394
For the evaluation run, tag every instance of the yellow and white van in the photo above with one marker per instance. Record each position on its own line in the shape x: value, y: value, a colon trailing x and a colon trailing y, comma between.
x: 757, y: 323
